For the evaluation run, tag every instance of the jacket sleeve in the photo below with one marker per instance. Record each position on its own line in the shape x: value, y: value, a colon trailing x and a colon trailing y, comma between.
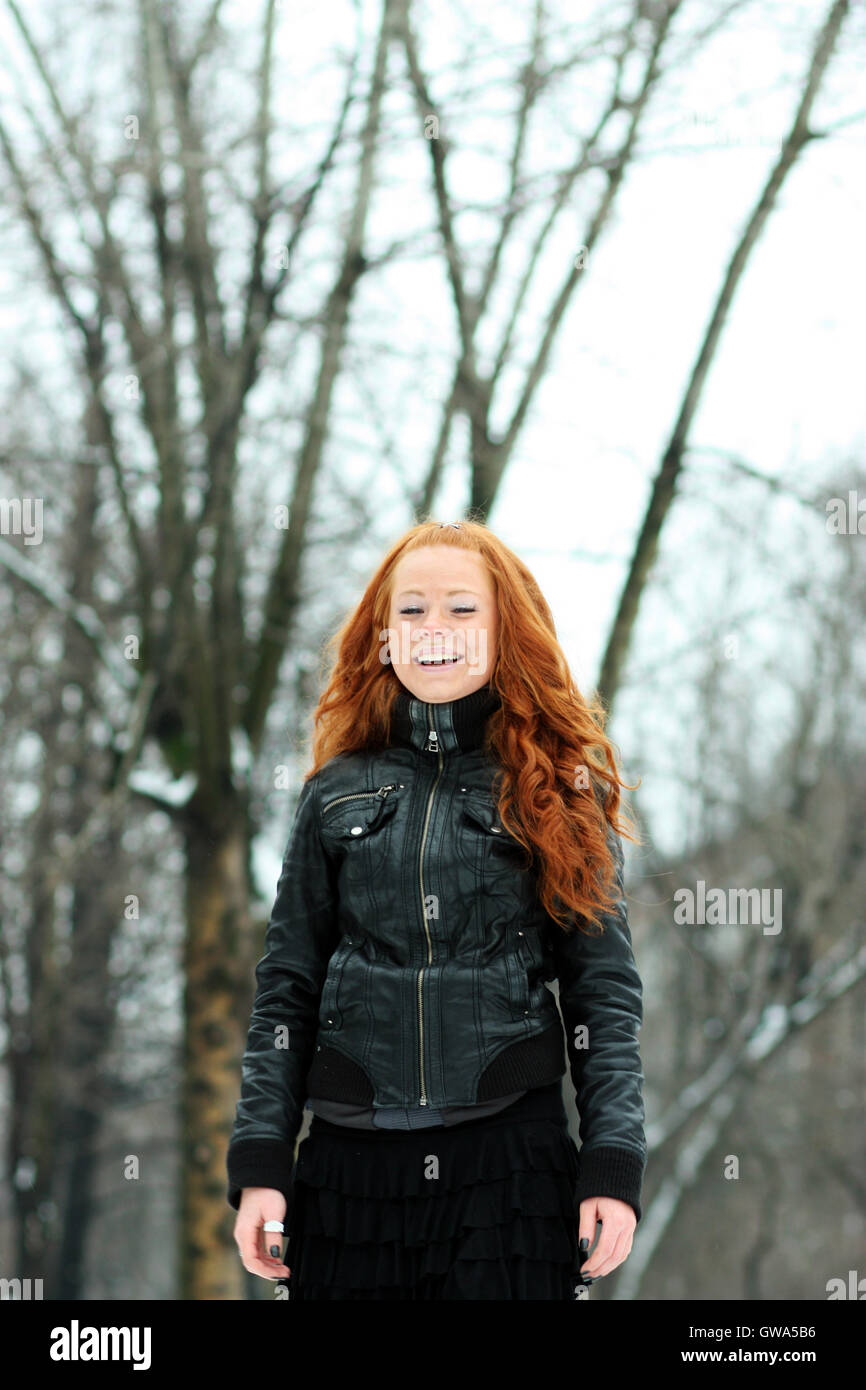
x: 601, y: 999
x: 300, y: 939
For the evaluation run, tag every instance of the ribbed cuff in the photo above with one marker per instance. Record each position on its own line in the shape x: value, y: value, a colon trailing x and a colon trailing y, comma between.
x: 259, y: 1163
x: 607, y: 1171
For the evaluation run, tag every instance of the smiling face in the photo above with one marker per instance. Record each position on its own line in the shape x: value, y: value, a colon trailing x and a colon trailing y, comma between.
x: 443, y: 609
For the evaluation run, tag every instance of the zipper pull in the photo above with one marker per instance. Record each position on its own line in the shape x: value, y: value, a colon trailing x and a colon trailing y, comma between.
x: 432, y: 744
x: 383, y: 791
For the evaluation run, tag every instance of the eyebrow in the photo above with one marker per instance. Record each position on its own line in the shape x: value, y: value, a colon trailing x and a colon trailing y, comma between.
x: 467, y: 590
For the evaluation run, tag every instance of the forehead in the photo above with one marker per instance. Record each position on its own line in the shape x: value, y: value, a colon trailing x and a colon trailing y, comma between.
x: 441, y: 567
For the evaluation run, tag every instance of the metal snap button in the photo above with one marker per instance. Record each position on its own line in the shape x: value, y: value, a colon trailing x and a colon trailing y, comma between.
x: 357, y: 829
x: 496, y: 829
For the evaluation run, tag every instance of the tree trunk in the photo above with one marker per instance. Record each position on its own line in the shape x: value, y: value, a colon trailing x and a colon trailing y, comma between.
x: 217, y: 916
x: 85, y: 1092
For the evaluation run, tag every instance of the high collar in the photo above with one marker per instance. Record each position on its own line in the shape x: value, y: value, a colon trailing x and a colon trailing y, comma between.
x: 459, y: 724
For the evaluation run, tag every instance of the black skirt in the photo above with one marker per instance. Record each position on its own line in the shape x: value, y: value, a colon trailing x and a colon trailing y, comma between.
x: 484, y: 1209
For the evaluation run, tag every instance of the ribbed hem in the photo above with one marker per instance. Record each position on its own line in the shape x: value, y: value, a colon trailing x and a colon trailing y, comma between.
x: 524, y: 1065
x: 259, y: 1163
x: 607, y: 1171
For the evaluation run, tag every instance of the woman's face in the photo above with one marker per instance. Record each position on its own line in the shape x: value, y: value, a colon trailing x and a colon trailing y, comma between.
x: 442, y: 605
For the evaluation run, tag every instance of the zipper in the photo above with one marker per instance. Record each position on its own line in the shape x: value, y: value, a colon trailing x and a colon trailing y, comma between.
x: 350, y: 796
x: 431, y: 746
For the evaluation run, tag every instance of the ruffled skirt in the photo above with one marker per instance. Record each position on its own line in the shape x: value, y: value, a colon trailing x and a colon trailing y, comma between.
x: 479, y: 1210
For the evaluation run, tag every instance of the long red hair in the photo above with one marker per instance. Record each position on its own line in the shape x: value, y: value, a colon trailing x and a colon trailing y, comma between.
x: 558, y: 783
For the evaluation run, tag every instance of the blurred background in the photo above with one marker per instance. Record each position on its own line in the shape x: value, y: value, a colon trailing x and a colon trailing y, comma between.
x: 276, y: 281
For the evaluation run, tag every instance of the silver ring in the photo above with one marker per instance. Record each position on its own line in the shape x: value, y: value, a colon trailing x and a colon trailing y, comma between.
x: 274, y: 1226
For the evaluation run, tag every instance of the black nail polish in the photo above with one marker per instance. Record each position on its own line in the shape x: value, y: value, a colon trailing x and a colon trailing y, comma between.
x: 275, y: 1250
x: 584, y: 1244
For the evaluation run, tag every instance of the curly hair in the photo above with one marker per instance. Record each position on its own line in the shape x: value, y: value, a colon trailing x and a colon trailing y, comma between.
x: 557, y: 778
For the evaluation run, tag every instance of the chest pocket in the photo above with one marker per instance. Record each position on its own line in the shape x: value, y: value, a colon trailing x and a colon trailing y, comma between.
x: 483, y: 843
x: 358, y: 824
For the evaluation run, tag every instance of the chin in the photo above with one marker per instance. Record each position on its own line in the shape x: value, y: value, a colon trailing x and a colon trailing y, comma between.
x: 440, y: 686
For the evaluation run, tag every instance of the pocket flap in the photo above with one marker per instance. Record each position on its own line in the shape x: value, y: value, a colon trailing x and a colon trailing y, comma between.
x: 484, y: 813
x: 356, y: 814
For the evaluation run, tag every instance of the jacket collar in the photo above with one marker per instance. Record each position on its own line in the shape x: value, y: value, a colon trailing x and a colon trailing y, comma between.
x: 459, y: 724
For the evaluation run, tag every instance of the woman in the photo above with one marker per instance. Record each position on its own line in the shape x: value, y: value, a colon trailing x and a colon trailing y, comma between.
x: 455, y: 848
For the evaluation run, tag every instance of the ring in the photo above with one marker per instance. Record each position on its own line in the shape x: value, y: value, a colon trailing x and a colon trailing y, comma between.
x: 274, y: 1226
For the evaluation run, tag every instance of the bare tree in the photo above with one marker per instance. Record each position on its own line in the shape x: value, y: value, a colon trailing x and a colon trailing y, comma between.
x: 798, y: 137
x: 736, y: 1001
x: 607, y: 148
x: 210, y: 680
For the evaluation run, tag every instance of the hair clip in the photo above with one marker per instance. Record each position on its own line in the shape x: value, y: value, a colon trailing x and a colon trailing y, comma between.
x: 455, y: 524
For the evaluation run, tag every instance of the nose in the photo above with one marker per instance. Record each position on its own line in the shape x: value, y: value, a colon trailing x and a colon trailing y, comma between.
x: 433, y: 628
x: 432, y: 633
x: 435, y: 623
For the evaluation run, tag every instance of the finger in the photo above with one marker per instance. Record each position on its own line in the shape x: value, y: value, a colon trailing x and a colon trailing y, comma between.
x: 610, y: 1253
x: 271, y: 1244
x: 588, y: 1226
x: 594, y: 1267
x: 606, y: 1231
x: 272, y: 1250
x: 251, y: 1244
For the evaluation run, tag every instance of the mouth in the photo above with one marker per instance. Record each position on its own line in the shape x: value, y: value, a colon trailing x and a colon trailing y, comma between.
x: 429, y: 662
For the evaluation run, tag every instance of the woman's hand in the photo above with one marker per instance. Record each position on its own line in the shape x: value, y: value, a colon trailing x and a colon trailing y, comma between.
x: 258, y: 1205
x: 617, y: 1228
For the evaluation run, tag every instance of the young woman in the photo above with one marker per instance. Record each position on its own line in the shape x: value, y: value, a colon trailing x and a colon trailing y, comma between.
x: 455, y: 848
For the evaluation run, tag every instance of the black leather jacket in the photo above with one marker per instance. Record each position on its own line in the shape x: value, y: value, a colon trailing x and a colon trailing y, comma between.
x: 406, y: 958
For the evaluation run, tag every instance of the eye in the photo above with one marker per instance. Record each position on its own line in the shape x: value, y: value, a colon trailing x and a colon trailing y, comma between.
x: 460, y: 609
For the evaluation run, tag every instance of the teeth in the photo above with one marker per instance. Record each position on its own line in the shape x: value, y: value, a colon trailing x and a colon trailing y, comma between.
x: 438, y: 660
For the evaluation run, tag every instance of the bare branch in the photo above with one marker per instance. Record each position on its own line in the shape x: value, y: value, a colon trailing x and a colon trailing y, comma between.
x: 661, y: 499
x: 81, y: 614
x: 70, y: 852
x: 716, y: 1093
x: 281, y: 597
x: 466, y: 310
